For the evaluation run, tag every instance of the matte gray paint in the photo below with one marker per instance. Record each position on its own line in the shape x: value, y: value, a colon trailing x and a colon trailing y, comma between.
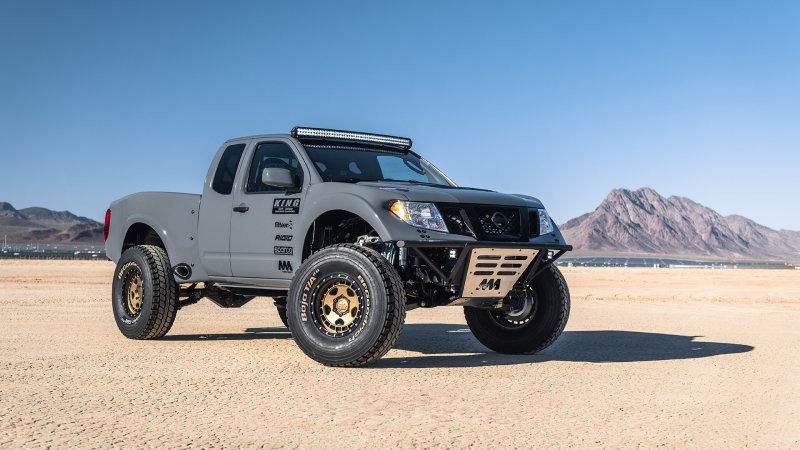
x: 223, y: 245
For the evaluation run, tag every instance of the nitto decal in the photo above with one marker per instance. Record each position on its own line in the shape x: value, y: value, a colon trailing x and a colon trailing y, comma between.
x: 286, y: 225
x: 285, y: 266
x: 286, y: 206
x: 280, y: 250
x: 283, y: 237
x: 490, y: 284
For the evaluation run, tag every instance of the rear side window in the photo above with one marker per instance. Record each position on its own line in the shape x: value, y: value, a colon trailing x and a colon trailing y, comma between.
x: 226, y: 169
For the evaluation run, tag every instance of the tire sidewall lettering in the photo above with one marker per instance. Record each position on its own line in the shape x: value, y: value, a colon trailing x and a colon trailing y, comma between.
x: 304, y: 297
x: 122, y: 274
x: 367, y: 308
x: 125, y: 267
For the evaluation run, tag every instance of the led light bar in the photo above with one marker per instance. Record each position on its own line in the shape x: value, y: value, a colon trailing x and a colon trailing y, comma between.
x: 322, y: 133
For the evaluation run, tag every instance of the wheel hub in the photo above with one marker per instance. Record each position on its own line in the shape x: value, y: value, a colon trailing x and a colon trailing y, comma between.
x: 342, y: 306
x: 521, y: 309
x: 520, y: 312
x: 133, y: 291
x: 339, y: 308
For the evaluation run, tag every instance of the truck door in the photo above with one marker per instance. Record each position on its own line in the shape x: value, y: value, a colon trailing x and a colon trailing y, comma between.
x: 214, y: 228
x: 264, y: 233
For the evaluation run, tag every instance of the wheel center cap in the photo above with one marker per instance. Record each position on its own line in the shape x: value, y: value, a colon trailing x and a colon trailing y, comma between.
x: 342, y: 306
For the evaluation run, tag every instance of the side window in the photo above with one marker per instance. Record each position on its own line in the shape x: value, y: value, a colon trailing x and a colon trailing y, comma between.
x: 272, y: 154
x: 226, y: 169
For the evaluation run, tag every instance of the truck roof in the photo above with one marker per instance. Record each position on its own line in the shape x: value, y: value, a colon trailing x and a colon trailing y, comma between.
x: 260, y: 136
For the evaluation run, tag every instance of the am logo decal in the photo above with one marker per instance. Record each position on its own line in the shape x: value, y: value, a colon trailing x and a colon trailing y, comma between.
x: 490, y: 284
x: 285, y: 266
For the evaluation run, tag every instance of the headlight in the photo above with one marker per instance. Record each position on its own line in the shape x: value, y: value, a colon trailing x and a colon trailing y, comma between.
x: 423, y: 215
x: 545, y: 223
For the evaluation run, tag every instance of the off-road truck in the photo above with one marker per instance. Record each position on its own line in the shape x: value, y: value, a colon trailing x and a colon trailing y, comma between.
x: 345, y: 231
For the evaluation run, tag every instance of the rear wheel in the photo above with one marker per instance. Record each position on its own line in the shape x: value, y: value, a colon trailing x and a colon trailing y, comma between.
x: 282, y: 314
x: 531, y: 326
x: 144, y: 294
x: 346, y: 306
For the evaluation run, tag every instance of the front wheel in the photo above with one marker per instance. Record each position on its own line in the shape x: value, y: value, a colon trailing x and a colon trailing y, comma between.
x: 346, y: 306
x: 530, y: 327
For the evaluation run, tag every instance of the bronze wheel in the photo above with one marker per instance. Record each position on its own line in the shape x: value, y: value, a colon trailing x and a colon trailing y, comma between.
x: 338, y: 304
x: 133, y: 293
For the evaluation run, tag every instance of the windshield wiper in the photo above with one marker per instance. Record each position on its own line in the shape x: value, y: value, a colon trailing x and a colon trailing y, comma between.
x: 356, y: 180
x: 427, y: 183
x: 391, y: 180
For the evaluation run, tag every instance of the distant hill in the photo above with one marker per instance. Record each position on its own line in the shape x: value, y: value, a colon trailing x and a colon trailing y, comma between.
x: 644, y: 222
x: 47, y: 226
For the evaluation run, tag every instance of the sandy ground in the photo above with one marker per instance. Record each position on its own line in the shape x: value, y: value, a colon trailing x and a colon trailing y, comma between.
x: 650, y: 357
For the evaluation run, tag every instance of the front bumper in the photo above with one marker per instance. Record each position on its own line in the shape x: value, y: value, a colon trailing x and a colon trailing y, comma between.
x: 486, y: 271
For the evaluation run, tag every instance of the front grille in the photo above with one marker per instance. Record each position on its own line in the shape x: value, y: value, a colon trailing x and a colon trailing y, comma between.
x: 486, y: 222
x: 497, y: 222
x: 455, y: 220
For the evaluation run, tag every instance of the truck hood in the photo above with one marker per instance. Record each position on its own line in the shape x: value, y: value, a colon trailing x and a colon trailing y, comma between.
x: 427, y: 193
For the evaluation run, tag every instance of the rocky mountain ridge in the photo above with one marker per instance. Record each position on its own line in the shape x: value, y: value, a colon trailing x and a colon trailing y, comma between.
x: 644, y: 222
x: 43, y: 225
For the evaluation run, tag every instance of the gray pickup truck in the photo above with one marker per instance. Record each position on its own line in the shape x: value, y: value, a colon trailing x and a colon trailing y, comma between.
x: 345, y: 231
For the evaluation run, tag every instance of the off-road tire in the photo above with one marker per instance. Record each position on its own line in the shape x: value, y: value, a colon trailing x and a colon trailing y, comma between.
x: 159, y: 302
x: 382, y: 300
x: 546, y: 323
x: 282, y: 314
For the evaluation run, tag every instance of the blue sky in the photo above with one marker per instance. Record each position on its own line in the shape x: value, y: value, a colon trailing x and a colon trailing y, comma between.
x: 561, y: 100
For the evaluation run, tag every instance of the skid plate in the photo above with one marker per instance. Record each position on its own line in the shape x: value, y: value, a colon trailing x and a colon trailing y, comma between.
x: 492, y: 272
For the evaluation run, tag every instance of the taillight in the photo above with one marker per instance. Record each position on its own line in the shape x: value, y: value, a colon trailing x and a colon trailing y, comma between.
x: 106, y: 224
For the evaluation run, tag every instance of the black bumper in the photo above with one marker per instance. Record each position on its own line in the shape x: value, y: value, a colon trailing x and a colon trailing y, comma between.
x: 548, y: 253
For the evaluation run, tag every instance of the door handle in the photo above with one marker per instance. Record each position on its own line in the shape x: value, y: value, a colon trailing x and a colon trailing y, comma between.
x: 241, y: 208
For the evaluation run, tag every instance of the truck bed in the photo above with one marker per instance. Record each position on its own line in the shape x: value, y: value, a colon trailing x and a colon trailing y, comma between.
x: 174, y: 216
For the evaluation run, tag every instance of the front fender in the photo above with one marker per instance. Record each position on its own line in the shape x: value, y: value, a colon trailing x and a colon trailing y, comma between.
x: 373, y: 208
x: 349, y: 202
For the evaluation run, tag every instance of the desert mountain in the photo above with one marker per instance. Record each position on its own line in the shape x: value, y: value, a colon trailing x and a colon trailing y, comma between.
x: 643, y: 221
x: 47, y: 226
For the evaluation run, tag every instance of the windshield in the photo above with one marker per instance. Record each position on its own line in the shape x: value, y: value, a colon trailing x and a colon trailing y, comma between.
x: 354, y: 164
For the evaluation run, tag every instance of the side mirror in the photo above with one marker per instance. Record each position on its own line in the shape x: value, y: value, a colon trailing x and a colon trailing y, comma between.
x: 278, y: 177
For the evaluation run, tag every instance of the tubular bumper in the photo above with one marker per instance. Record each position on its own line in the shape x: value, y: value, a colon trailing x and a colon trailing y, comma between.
x: 488, y: 289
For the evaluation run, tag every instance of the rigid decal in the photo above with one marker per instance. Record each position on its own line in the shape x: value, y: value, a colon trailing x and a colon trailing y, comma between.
x: 283, y: 237
x: 286, y: 206
x: 281, y: 250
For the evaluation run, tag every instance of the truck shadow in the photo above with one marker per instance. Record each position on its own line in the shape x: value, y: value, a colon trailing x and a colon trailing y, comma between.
x: 451, y: 345
x: 249, y: 334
